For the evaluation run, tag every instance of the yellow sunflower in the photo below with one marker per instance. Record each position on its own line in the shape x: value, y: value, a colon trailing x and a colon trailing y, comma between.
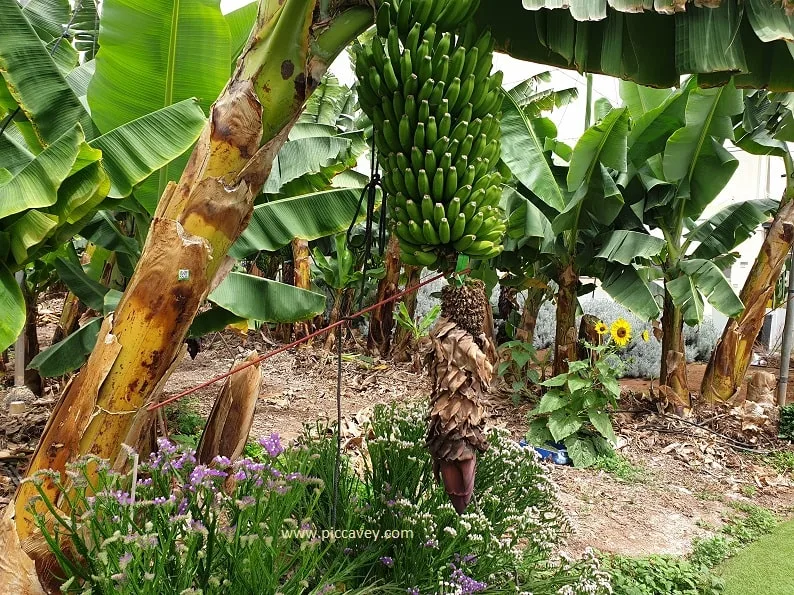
x: 646, y: 336
x: 621, y: 332
x: 601, y: 328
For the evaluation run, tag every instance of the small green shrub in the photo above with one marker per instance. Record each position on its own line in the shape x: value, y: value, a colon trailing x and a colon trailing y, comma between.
x: 420, y: 327
x: 620, y: 467
x: 575, y: 408
x: 185, y: 423
x: 710, y: 551
x: 519, y: 368
x: 786, y: 427
x: 749, y: 524
x: 782, y: 460
x: 659, y: 575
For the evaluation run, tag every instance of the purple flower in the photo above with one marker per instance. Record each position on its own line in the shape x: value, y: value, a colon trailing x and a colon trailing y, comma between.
x: 467, y: 584
x: 124, y: 560
x: 222, y: 461
x: 412, y: 591
x: 272, y: 445
x: 387, y: 561
x: 431, y: 543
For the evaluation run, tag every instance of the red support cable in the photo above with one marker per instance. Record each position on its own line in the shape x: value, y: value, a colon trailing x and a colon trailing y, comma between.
x: 283, y: 348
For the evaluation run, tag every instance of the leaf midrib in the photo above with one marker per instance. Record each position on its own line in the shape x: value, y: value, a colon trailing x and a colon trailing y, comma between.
x: 169, y: 81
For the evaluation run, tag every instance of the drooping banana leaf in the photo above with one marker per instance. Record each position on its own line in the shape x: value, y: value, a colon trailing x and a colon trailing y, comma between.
x: 651, y: 43
x: 69, y: 354
x: 702, y: 279
x: 131, y: 152
x: 603, y: 143
x: 308, y: 216
x: 154, y: 53
x: 213, y: 320
x: 12, y: 308
x: 524, y: 153
x: 255, y: 298
x: 627, y: 287
x: 34, y: 80
x: 624, y: 246
x: 37, y: 184
x: 731, y: 226
x: 90, y: 292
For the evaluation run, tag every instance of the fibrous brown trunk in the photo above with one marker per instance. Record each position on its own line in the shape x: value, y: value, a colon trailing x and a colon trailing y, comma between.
x: 565, y: 331
x: 232, y: 416
x: 461, y: 372
x: 731, y: 357
x: 284, y: 329
x: 32, y: 377
x: 381, y: 322
x: 70, y: 314
x: 529, y: 315
x: 302, y: 275
x: 588, y: 333
x: 195, y: 223
x: 673, y: 378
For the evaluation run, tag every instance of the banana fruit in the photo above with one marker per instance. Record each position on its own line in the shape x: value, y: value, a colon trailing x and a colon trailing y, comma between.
x: 425, y: 82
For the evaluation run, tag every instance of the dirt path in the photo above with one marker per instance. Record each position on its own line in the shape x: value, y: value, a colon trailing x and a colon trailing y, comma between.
x: 686, y: 484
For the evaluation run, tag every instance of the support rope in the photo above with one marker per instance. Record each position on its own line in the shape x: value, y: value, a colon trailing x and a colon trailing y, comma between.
x: 283, y: 348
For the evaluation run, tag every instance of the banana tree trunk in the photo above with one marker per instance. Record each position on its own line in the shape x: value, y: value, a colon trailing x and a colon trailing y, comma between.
x: 302, y: 275
x: 32, y: 377
x: 70, y: 314
x: 731, y: 357
x: 565, y: 332
x: 196, y: 222
x: 381, y: 323
x: 529, y: 315
x: 672, y: 377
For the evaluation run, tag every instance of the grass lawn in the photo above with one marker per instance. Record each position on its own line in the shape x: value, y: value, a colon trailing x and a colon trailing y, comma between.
x: 766, y: 566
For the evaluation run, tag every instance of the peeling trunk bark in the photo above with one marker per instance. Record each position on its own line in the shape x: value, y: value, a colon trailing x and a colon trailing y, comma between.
x: 302, y: 276
x: 381, y: 323
x: 196, y: 222
x: 565, y: 331
x: 70, y: 314
x: 588, y: 334
x: 529, y: 315
x: 731, y: 357
x: 232, y: 416
x: 672, y: 377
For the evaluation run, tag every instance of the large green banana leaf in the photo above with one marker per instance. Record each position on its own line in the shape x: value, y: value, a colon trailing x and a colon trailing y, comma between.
x: 626, y: 246
x: 154, y: 53
x: 12, y: 308
x: 90, y: 292
x: 131, y: 152
x: 34, y: 80
x: 604, y: 143
x: 309, y: 155
x: 731, y: 226
x: 651, y: 43
x: 37, y: 184
x: 627, y: 287
x: 308, y: 216
x: 702, y: 278
x: 523, y: 151
x: 255, y: 298
x: 327, y: 104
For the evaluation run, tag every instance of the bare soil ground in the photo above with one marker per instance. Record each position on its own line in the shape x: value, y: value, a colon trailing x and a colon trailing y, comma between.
x: 688, y: 477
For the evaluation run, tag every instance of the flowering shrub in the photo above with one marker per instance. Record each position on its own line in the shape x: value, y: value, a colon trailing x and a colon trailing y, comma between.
x: 274, y: 525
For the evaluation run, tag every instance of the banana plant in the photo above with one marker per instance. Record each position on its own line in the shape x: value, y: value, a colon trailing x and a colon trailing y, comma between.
x: 58, y: 169
x: 575, y: 192
x: 678, y: 167
x: 767, y: 124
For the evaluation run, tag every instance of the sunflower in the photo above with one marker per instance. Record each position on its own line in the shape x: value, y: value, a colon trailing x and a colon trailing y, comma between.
x: 621, y: 332
x: 601, y: 328
x: 646, y: 336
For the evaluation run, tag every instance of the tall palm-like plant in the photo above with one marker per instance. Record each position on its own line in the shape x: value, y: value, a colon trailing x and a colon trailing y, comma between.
x: 766, y: 125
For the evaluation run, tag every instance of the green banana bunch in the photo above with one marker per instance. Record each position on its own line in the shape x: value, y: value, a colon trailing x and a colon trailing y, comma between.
x: 425, y: 82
